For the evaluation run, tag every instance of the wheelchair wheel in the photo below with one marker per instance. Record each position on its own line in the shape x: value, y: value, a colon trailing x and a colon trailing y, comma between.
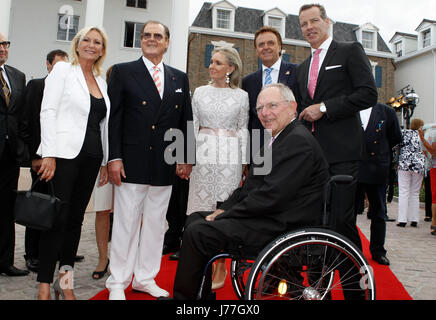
x: 310, y: 264
x: 239, y: 271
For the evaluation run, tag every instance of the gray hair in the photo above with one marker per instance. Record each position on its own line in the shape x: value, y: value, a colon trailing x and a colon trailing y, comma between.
x: 285, y: 91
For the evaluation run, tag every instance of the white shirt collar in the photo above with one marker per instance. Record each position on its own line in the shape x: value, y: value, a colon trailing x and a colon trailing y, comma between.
x: 275, y: 66
x: 150, y: 64
x: 324, y: 46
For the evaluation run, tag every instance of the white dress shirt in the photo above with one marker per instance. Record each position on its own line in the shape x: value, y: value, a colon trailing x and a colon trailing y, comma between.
x: 324, y: 48
x: 364, y: 117
x: 274, y: 72
x: 150, y: 65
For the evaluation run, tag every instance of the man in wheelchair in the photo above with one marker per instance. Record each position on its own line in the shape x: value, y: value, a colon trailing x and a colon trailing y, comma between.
x: 290, y: 196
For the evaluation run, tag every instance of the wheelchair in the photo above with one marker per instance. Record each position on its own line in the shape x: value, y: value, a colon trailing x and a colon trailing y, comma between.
x: 306, y: 264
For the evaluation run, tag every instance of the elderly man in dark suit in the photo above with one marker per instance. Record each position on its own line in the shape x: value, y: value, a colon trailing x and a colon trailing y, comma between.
x: 268, y: 44
x: 382, y: 133
x: 34, y: 93
x: 13, y: 151
x: 148, y: 100
x: 333, y: 85
x: 267, y: 205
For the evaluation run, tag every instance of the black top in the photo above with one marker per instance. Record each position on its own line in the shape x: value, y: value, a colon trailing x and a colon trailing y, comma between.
x: 92, y: 144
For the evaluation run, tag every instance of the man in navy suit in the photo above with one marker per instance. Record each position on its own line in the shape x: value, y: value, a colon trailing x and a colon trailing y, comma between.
x: 268, y: 44
x: 382, y: 132
x: 13, y: 151
x: 148, y: 100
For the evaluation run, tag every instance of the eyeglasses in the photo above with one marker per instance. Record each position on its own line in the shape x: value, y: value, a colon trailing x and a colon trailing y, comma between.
x: 269, y: 106
x: 156, y: 36
x: 5, y: 44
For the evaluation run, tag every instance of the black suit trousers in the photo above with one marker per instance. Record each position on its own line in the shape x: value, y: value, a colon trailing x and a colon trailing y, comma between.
x: 342, y: 217
x: 73, y: 183
x: 176, y: 213
x: 9, y: 173
x: 376, y: 194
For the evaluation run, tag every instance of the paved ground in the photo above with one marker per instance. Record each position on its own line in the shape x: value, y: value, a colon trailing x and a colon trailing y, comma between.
x: 412, y: 252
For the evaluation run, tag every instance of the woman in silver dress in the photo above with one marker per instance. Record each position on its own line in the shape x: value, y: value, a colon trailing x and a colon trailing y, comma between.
x: 220, y: 113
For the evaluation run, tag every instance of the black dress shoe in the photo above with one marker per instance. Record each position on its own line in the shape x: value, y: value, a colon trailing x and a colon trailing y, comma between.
x: 175, y: 256
x: 389, y: 219
x: 79, y: 258
x: 401, y: 224
x: 381, y: 260
x: 169, y: 249
x: 32, y: 264
x: 13, y: 272
x: 414, y: 224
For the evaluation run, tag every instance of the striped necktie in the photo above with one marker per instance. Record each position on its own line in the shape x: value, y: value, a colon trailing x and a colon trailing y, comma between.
x: 5, y: 88
x: 268, y: 79
x: 156, y: 79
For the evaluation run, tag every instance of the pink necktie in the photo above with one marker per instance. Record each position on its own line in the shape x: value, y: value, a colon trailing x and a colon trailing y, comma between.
x: 313, y: 75
x: 156, y: 79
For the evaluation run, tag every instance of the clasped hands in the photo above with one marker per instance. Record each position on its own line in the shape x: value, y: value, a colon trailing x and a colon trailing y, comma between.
x: 183, y: 170
x: 311, y: 113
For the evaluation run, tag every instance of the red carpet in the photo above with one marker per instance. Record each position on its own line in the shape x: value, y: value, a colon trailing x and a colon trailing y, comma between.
x: 387, y: 285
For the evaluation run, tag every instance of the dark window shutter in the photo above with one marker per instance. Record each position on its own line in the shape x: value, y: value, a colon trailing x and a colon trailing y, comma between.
x: 209, y: 49
x: 286, y: 57
x: 379, y: 76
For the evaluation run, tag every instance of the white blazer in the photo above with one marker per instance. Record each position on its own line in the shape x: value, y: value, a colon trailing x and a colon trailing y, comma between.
x: 64, y: 113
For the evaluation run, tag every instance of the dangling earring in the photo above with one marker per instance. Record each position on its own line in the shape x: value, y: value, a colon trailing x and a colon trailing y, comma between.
x: 227, y: 77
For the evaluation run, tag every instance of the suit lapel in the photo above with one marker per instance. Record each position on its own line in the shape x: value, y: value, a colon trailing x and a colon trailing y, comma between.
x: 169, y: 88
x: 79, y: 74
x: 304, y: 75
x: 145, y: 81
x: 330, y: 53
x: 13, y: 82
x: 284, y: 73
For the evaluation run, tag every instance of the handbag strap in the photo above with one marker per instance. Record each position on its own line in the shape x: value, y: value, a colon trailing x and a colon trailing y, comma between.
x: 50, y: 183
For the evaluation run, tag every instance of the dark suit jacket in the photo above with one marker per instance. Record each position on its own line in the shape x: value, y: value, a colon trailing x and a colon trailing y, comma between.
x: 139, y: 120
x: 346, y: 86
x: 12, y: 123
x: 290, y: 196
x: 381, y: 135
x: 34, y: 93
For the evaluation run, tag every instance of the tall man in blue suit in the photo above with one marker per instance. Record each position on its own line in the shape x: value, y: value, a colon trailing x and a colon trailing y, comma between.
x: 268, y: 44
x: 148, y: 99
x: 382, y: 132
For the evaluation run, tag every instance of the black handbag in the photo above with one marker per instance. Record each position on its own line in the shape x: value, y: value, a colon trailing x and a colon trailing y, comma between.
x: 36, y: 210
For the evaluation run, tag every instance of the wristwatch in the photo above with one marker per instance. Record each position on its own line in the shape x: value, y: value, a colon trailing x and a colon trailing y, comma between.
x: 322, y: 108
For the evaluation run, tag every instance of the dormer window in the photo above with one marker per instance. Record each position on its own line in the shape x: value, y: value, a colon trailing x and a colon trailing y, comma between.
x: 426, y: 38
x: 398, y: 46
x: 223, y: 16
x: 275, y: 18
x: 368, y: 40
x: 276, y: 23
x: 223, y: 19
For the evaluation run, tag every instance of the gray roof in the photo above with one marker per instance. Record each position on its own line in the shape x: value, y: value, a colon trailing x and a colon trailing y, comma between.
x: 248, y: 20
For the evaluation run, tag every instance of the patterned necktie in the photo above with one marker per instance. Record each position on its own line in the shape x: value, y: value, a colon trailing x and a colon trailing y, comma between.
x: 268, y: 79
x: 313, y: 75
x: 156, y: 79
x: 271, y: 142
x: 5, y: 87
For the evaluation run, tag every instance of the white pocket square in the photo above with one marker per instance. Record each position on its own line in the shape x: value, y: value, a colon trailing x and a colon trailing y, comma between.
x: 179, y: 90
x: 333, y: 67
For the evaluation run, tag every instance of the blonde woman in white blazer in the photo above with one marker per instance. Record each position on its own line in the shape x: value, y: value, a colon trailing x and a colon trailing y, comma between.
x: 74, y: 146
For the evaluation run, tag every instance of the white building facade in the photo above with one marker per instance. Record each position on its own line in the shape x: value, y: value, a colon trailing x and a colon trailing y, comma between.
x: 416, y: 66
x: 37, y: 27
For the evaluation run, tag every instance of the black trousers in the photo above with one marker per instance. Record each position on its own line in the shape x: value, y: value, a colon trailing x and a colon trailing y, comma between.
x: 176, y: 213
x: 428, y: 196
x: 202, y: 240
x: 376, y: 194
x: 73, y: 183
x: 342, y: 217
x: 9, y: 173
x: 32, y: 236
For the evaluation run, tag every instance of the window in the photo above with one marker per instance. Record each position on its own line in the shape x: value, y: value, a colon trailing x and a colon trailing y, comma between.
x: 399, y: 48
x: 275, y: 23
x: 222, y: 19
x: 426, y: 38
x: 67, y: 27
x: 132, y: 34
x: 368, y: 40
x: 137, y: 4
